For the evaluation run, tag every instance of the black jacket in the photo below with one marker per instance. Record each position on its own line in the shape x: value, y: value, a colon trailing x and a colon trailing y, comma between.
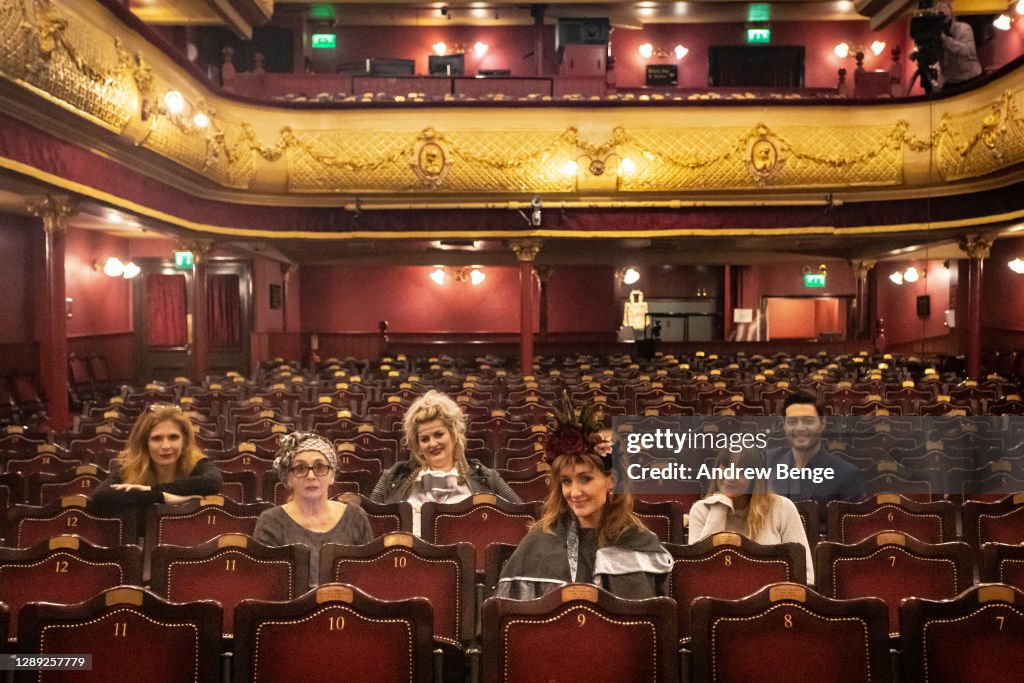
x: 391, y: 488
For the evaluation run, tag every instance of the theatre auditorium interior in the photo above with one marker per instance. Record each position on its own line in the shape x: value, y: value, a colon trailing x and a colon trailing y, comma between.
x: 278, y: 216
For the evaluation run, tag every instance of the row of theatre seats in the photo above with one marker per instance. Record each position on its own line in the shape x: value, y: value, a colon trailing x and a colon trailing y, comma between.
x: 738, y: 611
x: 404, y: 609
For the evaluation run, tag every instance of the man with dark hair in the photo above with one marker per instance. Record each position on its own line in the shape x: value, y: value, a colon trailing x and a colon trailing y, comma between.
x: 810, y: 471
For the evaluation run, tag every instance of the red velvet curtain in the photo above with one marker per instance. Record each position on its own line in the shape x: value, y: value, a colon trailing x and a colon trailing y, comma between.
x: 225, y: 311
x: 166, y: 306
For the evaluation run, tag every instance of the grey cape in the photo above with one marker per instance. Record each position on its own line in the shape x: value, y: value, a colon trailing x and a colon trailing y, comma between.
x: 634, y: 568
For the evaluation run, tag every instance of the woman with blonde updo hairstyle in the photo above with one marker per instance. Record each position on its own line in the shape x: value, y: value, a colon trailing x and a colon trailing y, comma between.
x: 437, y: 470
x: 161, y: 463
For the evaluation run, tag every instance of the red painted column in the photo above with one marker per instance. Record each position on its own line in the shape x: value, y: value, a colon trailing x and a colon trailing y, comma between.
x: 526, y: 252
x: 200, y: 311
x: 861, y: 302
x: 977, y: 248
x: 727, y: 303
x: 53, y: 357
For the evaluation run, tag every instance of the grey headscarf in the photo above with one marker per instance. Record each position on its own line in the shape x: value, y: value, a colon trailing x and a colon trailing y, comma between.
x: 297, y: 442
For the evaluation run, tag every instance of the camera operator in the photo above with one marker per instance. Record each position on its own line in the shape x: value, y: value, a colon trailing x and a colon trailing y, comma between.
x: 959, y: 61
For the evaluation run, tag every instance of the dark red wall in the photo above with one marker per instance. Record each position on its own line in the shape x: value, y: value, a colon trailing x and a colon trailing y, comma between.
x: 356, y: 298
x: 818, y: 38
x: 17, y: 279
x: 1002, y: 289
x: 787, y: 279
x: 897, y: 304
x: 508, y: 46
x: 102, y: 304
x: 1004, y: 46
x: 582, y: 299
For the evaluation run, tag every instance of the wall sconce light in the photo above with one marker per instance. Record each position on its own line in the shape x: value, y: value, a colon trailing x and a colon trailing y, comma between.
x: 597, y: 167
x: 473, y: 275
x: 1017, y: 264
x: 1004, y: 21
x: 844, y: 50
x: 440, y: 48
x: 910, y: 275
x: 176, y: 109
x: 647, y: 50
x: 115, y: 267
x: 631, y: 276
x: 480, y: 49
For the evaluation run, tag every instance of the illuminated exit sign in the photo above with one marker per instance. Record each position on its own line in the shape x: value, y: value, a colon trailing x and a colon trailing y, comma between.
x: 183, y: 260
x: 814, y: 280
x: 759, y: 35
x: 324, y: 41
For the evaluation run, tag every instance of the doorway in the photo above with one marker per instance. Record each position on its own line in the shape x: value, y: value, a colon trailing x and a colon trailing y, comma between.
x: 163, y: 314
x: 821, y: 318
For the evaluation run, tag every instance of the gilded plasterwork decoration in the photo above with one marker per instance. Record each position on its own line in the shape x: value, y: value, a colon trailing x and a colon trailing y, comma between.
x: 763, y: 160
x: 368, y: 161
x: 69, y: 60
x: 737, y: 158
x: 431, y: 158
x: 983, y: 140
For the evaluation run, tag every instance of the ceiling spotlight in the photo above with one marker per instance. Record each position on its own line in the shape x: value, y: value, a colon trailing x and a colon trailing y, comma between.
x: 201, y: 120
x: 626, y: 166
x: 438, y: 276
x: 571, y: 168
x: 631, y: 276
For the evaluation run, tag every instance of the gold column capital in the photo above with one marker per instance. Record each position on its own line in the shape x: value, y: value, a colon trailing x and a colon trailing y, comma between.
x: 53, y: 209
x: 977, y: 245
x: 862, y: 267
x: 526, y: 249
x: 200, y: 249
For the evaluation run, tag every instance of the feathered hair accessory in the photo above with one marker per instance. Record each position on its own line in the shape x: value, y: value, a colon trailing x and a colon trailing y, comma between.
x: 575, y: 432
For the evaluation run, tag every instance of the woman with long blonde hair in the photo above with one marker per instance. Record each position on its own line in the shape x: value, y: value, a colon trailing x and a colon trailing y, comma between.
x: 747, y: 506
x: 161, y: 463
x: 587, y: 533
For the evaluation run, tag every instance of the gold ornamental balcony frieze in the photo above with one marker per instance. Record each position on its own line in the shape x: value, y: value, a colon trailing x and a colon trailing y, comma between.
x: 110, y: 84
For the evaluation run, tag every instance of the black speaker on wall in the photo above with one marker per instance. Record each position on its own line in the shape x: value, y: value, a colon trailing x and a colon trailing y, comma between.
x: 924, y: 306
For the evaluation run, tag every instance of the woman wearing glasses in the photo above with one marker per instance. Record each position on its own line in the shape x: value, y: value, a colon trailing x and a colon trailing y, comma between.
x: 306, y: 463
x: 161, y: 463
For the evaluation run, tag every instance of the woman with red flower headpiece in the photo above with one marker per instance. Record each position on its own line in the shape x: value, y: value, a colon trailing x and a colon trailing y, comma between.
x: 586, y: 532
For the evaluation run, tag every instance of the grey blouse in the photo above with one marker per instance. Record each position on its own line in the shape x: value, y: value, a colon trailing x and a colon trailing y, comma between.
x: 275, y: 527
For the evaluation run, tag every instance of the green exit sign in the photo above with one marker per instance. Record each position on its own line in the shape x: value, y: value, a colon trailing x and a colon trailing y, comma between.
x: 183, y: 260
x: 759, y: 35
x: 814, y: 280
x: 324, y: 41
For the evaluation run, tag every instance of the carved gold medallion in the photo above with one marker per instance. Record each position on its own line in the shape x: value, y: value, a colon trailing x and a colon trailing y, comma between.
x: 431, y: 158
